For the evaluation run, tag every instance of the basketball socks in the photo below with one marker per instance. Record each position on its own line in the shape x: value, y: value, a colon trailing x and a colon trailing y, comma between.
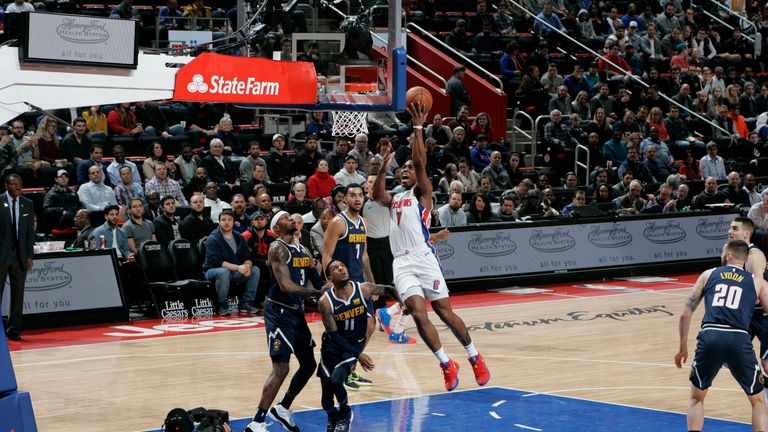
x: 471, y: 351
x: 394, y: 309
x: 260, y: 415
x: 287, y: 400
x: 442, y: 357
x: 402, y: 320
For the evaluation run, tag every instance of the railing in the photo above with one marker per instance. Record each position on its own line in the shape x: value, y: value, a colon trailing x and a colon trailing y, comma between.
x: 516, y: 130
x: 486, y: 74
x: 417, y: 63
x: 536, y: 127
x: 576, y: 165
x: 742, y: 19
x: 725, y: 24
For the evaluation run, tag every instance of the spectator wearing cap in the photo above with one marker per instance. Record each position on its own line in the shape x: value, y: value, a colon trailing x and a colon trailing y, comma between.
x: 680, y: 59
x: 632, y: 36
x: 227, y: 259
x: 60, y: 203
x: 114, y: 237
x: 196, y: 224
x: 480, y: 154
x: 279, y: 163
x: 457, y: 90
x: 458, y: 39
x: 258, y: 237
x: 349, y: 173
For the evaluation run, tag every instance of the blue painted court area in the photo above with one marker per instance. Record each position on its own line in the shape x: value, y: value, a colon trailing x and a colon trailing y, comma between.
x: 495, y: 409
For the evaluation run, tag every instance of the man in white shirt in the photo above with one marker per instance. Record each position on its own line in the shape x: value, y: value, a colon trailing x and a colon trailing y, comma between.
x: 19, y: 6
x: 751, y: 190
x: 451, y: 214
x: 95, y: 195
x: 349, y: 174
x: 213, y: 201
x: 712, y: 165
x: 758, y: 213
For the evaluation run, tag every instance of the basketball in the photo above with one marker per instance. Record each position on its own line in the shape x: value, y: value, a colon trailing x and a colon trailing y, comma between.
x: 420, y: 95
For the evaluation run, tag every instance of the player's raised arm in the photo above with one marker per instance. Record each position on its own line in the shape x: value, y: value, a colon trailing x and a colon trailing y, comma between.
x: 379, y: 192
x: 419, y: 155
x: 691, y: 303
x: 278, y: 257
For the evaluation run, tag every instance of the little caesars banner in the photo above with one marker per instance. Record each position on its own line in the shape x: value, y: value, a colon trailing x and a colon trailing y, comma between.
x: 522, y: 250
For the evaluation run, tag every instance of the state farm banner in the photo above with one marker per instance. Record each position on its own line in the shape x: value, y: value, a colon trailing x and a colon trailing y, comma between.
x: 247, y: 80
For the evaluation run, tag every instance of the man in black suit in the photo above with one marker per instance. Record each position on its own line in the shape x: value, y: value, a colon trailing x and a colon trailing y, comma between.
x: 16, y: 246
x: 220, y: 169
x: 84, y: 229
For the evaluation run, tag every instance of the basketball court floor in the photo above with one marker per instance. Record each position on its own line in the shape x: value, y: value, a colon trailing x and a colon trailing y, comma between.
x: 594, y: 356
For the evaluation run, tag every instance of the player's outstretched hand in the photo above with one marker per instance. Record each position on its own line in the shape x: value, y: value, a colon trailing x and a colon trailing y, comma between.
x: 366, y: 362
x: 388, y: 156
x: 681, y: 357
x: 419, y: 114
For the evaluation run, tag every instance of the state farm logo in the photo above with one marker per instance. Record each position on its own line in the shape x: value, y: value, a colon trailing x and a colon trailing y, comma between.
x: 197, y: 85
x: 609, y: 237
x: 558, y: 240
x: 713, y: 229
x: 664, y: 233
x: 233, y: 86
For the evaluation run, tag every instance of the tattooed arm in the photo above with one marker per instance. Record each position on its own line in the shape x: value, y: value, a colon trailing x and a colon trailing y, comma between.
x: 691, y: 303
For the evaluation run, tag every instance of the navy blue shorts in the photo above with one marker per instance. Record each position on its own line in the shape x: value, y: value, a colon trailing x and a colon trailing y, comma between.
x: 331, y: 359
x: 758, y: 328
x: 287, y: 332
x: 726, y: 346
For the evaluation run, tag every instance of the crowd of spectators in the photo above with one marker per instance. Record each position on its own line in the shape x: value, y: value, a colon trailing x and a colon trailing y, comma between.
x: 647, y: 153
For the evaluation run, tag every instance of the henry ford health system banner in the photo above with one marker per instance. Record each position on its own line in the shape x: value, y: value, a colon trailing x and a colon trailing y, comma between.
x: 67, y: 284
x: 522, y: 250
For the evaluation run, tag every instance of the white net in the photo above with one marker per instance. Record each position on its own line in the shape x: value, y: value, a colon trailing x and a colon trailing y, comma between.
x: 349, y: 123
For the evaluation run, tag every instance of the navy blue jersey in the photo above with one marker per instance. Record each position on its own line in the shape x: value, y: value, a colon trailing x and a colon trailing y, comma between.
x: 301, y: 270
x: 729, y: 298
x: 351, y: 246
x: 351, y: 316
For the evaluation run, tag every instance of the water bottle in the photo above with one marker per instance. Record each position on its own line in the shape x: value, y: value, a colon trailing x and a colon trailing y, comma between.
x: 102, y: 242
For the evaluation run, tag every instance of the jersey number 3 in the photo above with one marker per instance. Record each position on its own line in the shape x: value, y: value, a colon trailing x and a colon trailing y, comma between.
x: 727, y: 295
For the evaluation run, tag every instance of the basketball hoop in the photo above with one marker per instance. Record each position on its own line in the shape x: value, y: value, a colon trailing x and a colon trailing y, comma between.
x: 349, y: 123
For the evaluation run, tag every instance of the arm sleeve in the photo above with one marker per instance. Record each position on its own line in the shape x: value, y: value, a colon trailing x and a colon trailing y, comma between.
x: 314, y: 277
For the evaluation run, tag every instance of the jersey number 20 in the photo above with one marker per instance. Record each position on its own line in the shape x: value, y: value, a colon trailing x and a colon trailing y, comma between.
x: 727, y: 295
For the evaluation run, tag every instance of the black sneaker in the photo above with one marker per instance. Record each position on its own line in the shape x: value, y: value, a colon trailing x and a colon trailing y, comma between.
x: 223, y: 311
x: 249, y: 308
x: 351, y: 385
x: 284, y: 416
x: 345, y: 421
x: 332, y: 419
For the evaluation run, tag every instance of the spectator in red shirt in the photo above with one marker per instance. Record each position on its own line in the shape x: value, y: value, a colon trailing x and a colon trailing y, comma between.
x: 612, y: 72
x: 322, y: 182
x: 122, y: 121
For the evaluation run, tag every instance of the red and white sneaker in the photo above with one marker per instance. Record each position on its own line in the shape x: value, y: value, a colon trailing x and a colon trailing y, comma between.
x: 451, y: 374
x: 482, y: 374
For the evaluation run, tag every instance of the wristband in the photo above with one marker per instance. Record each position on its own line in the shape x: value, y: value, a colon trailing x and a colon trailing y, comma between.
x: 418, y: 127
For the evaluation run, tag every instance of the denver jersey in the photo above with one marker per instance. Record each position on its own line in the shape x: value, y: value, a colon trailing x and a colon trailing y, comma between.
x: 758, y: 306
x: 351, y: 316
x: 409, y: 223
x: 729, y: 297
x: 300, y: 267
x: 351, y: 246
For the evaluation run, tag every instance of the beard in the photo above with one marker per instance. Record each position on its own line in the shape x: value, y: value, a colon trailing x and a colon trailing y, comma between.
x: 290, y: 230
x: 341, y: 283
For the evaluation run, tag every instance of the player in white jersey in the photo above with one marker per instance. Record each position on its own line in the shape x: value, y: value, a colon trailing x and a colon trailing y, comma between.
x: 416, y: 269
